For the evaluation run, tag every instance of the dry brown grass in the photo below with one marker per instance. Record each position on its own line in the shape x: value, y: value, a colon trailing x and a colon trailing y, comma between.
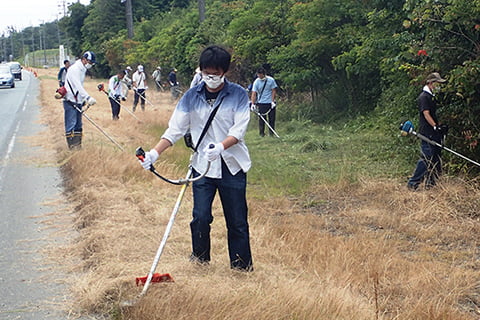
x: 369, y: 251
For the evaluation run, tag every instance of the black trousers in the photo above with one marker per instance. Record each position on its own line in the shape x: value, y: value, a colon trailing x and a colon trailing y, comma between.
x: 266, y: 111
x: 115, y: 108
x: 139, y: 94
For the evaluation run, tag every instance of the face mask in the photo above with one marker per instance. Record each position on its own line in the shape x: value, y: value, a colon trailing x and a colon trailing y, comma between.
x: 88, y: 65
x: 212, y: 81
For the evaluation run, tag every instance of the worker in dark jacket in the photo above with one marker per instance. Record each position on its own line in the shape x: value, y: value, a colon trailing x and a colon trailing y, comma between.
x: 429, y: 165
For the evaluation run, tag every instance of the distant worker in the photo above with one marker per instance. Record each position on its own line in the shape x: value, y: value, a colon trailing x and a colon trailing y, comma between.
x: 139, y: 79
x: 264, y: 92
x: 127, y: 78
x: 76, y: 98
x: 157, y: 77
x: 115, y: 94
x: 172, y: 80
x: 429, y: 166
x: 62, y: 74
x: 197, y: 78
x: 127, y: 81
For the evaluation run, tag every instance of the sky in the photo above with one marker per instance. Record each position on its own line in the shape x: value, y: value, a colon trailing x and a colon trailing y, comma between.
x: 26, y: 13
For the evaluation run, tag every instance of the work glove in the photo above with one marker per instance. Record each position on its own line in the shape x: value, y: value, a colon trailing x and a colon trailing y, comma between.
x: 91, y: 101
x: 150, y: 158
x: 212, y: 154
x: 253, y: 107
x: 273, y: 104
x: 117, y: 97
x: 442, y: 129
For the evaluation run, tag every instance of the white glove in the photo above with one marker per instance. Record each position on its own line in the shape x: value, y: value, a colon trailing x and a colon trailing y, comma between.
x: 91, y: 101
x: 212, y: 154
x: 150, y: 157
x: 273, y: 104
x: 253, y: 107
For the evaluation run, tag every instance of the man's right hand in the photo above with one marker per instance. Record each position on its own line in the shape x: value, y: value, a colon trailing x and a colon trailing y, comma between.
x: 150, y: 158
x: 91, y: 101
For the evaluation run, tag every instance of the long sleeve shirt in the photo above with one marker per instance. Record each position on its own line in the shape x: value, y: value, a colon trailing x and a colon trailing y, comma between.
x: 115, y: 87
x: 62, y: 74
x: 74, y: 83
x: 231, y: 119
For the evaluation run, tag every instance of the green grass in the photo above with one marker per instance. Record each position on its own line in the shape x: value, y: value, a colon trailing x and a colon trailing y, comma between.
x: 308, y: 154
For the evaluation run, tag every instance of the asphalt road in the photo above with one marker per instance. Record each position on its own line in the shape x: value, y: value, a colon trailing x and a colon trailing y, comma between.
x: 27, y: 289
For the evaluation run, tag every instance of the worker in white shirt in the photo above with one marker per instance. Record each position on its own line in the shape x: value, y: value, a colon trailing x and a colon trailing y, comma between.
x: 115, y: 93
x: 75, y: 98
x: 139, y: 79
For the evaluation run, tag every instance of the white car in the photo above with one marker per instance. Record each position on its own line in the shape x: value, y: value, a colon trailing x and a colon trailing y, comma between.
x: 6, y: 77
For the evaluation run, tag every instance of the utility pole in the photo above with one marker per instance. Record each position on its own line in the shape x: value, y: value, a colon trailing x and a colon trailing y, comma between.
x: 201, y: 10
x: 129, y: 16
x: 12, y: 32
x: 44, y: 45
x: 33, y: 47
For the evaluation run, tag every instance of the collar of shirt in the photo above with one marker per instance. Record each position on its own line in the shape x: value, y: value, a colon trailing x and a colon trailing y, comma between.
x: 427, y: 90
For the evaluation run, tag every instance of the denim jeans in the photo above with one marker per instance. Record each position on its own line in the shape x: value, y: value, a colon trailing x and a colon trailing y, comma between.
x: 429, y: 166
x: 232, y: 191
x: 73, y: 118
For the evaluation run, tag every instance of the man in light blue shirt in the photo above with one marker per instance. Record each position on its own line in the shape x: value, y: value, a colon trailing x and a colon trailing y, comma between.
x: 264, y: 92
x: 224, y: 146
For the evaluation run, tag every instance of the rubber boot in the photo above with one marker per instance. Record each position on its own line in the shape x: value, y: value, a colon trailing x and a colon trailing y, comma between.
x: 77, y: 140
x: 69, y: 136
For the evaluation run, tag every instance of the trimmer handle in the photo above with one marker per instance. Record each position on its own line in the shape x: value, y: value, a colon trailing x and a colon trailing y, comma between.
x: 140, y: 154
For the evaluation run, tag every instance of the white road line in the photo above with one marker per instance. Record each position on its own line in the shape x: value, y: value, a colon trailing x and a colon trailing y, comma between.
x: 11, y: 144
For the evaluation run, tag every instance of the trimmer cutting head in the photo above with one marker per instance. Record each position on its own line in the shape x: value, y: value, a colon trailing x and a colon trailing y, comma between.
x: 157, y: 277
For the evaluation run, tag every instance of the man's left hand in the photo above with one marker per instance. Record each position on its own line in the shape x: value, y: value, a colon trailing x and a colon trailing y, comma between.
x: 273, y: 104
x: 213, y: 154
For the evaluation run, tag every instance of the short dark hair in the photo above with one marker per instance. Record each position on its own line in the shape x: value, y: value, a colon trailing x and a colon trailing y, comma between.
x: 261, y: 71
x: 215, y: 57
x: 65, y: 61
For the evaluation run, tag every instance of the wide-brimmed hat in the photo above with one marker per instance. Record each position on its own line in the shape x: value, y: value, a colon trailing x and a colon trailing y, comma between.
x: 435, y: 77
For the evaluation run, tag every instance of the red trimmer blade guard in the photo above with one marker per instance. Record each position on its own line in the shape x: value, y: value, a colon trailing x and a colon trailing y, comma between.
x: 157, y: 277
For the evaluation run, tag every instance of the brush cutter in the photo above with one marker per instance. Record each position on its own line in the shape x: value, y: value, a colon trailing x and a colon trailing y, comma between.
x: 96, y: 125
x: 255, y: 110
x: 407, y: 128
x: 140, y: 153
x: 101, y: 87
x: 166, y: 277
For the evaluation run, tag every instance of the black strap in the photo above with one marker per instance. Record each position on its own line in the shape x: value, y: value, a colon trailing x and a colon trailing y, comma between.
x: 263, y: 89
x: 207, y: 125
x: 74, y: 94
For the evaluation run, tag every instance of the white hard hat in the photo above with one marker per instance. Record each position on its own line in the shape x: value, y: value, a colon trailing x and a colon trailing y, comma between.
x: 140, y: 68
